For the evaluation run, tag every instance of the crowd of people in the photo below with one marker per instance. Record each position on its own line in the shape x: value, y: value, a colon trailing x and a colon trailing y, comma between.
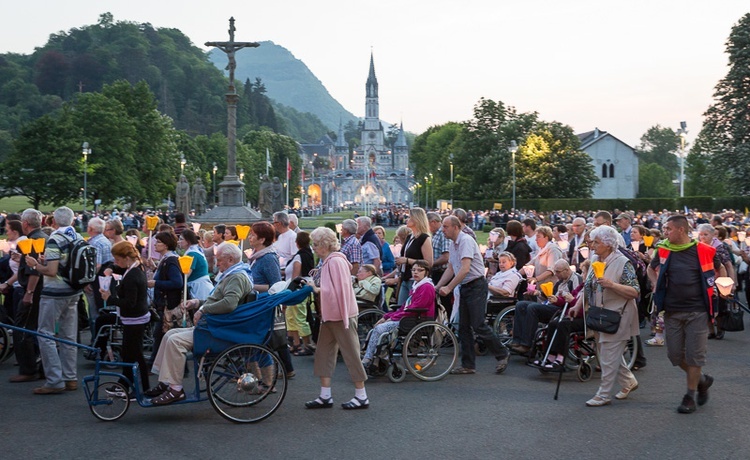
x: 433, y: 253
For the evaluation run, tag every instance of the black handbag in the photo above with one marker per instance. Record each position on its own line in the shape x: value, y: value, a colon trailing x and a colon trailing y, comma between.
x: 732, y: 320
x: 602, y: 320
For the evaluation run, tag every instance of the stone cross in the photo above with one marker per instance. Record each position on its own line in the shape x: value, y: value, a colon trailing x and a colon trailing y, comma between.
x: 230, y: 48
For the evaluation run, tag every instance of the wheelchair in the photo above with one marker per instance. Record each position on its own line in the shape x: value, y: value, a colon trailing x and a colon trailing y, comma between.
x: 426, y: 347
x: 500, y: 314
x: 110, y: 335
x: 6, y: 344
x: 369, y: 314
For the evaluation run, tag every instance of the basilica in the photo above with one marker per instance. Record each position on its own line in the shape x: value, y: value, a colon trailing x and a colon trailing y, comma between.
x: 374, y: 175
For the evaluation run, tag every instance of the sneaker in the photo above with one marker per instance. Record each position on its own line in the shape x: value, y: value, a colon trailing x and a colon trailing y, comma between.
x: 655, y: 342
x: 703, y: 387
x: 687, y: 406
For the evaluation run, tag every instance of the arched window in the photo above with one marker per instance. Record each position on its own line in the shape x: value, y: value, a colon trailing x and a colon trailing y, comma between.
x: 604, y: 170
x: 612, y: 170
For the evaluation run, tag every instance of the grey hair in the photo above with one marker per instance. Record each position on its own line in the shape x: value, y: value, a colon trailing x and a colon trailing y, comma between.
x: 325, y: 237
x: 606, y: 235
x: 461, y: 214
x: 97, y: 225
x: 230, y: 250
x: 293, y: 219
x: 433, y: 217
x: 708, y: 228
x: 32, y: 217
x: 364, y: 220
x: 350, y: 226
x: 63, y: 216
x: 282, y: 218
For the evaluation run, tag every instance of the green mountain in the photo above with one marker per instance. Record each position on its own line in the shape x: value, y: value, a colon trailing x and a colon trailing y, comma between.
x: 288, y: 81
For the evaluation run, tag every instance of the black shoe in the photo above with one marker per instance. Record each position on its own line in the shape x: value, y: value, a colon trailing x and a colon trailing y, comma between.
x: 687, y: 406
x: 319, y: 403
x: 720, y: 334
x: 703, y: 387
x: 356, y: 404
x: 157, y: 390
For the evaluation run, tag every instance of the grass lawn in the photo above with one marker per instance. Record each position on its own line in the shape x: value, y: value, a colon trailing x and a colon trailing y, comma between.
x: 309, y: 224
x: 20, y: 203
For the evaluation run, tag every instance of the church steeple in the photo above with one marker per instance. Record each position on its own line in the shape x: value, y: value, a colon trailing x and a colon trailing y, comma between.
x: 372, y: 80
x: 372, y: 110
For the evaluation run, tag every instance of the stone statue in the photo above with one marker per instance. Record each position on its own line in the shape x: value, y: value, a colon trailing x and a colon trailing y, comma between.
x: 199, y: 197
x: 265, y: 197
x: 278, y: 195
x: 182, y: 197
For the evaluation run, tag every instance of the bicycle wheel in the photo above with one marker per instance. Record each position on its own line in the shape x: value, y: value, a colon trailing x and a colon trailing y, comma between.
x: 107, y: 406
x: 430, y: 351
x: 631, y: 352
x: 366, y: 320
x: 503, y: 325
x: 246, y: 383
x: 6, y: 344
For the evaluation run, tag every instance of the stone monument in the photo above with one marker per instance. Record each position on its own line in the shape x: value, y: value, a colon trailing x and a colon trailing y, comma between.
x: 265, y: 197
x: 278, y: 195
x: 182, y: 196
x: 199, y: 197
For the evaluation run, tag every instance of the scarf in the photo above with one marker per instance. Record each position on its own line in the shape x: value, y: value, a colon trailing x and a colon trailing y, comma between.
x: 425, y: 280
x: 676, y: 247
x: 240, y: 267
x: 258, y: 254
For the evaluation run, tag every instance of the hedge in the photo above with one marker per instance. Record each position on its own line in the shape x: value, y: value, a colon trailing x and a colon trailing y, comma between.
x: 701, y: 203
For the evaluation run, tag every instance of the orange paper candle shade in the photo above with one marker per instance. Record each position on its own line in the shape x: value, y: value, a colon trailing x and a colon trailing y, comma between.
x: 25, y: 246
x: 185, y: 263
x: 598, y: 268
x: 242, y: 231
x: 38, y: 244
x: 546, y: 288
x: 234, y: 242
x: 152, y: 222
x: 649, y: 240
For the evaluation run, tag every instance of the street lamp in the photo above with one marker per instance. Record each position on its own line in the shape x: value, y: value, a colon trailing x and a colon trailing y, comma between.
x: 513, y: 148
x: 432, y: 179
x: 214, y: 181
x: 183, y: 162
x: 682, y: 132
x: 451, y: 160
x: 426, y: 192
x: 86, y: 153
x: 242, y: 174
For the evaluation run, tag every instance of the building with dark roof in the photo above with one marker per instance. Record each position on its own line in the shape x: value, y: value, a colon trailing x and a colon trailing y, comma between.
x: 615, y: 163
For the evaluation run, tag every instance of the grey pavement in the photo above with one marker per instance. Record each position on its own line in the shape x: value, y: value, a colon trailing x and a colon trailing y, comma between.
x: 485, y: 415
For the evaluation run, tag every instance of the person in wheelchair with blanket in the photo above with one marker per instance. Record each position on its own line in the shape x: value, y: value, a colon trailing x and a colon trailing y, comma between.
x: 421, y: 298
x: 234, y: 284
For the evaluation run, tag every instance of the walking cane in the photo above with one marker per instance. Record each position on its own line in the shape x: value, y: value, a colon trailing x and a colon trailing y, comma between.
x: 562, y: 365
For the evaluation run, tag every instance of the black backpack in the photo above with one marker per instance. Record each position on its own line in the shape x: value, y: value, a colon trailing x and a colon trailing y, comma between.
x: 81, y: 268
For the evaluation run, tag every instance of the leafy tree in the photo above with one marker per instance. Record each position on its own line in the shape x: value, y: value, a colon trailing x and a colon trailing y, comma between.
x: 726, y: 128
x: 280, y: 149
x: 655, y: 182
x: 658, y: 146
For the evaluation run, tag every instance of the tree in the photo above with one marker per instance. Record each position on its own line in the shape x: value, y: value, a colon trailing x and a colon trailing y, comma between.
x: 726, y: 128
x: 253, y: 159
x: 655, y: 182
x: 658, y: 146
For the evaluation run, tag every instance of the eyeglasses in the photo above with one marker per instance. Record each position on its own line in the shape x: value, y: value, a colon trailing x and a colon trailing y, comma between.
x: 418, y: 270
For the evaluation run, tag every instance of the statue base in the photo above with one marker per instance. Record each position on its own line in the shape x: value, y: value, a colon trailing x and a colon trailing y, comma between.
x: 231, y: 208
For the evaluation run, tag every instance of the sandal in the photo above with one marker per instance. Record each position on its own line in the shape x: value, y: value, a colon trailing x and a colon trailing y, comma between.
x: 319, y: 403
x: 356, y: 403
x: 555, y: 366
x: 463, y: 371
x: 303, y: 351
x: 168, y: 397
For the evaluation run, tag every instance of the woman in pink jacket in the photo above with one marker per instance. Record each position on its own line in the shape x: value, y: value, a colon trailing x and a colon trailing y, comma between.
x: 338, y: 328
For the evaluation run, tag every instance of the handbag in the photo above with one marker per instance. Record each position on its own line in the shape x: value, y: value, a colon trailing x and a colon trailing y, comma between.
x: 602, y: 320
x: 732, y: 319
x: 278, y: 336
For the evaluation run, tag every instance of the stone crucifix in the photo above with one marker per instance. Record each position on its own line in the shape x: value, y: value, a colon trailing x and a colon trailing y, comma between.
x: 232, y: 190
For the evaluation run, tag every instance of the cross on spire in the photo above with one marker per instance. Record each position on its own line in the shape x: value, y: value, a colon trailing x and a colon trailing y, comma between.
x: 230, y: 48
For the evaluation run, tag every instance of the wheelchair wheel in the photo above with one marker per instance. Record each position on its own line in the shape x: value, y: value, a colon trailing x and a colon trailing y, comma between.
x: 246, y: 383
x: 107, y: 362
x: 396, y: 373
x: 430, y: 351
x: 106, y: 406
x: 6, y: 344
x: 503, y: 325
x: 366, y: 320
x: 584, y: 371
x: 631, y: 352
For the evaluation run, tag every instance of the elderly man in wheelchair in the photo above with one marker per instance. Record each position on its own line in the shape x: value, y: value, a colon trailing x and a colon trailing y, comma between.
x: 420, y: 303
x: 234, y: 285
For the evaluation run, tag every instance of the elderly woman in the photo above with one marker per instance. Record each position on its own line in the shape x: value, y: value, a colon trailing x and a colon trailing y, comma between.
x: 367, y: 284
x: 504, y: 282
x: 418, y: 247
x: 167, y: 282
x: 616, y: 290
x: 422, y: 296
x: 528, y: 315
x: 548, y: 254
x: 338, y: 329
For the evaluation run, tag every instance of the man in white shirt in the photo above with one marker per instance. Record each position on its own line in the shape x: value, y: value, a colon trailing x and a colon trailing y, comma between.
x: 286, y: 241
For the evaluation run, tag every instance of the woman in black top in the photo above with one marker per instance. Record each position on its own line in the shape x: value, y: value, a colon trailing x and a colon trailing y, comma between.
x: 517, y: 244
x: 417, y: 247
x: 131, y: 299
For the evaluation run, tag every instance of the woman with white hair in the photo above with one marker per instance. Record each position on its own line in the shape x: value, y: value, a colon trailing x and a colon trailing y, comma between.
x: 616, y: 290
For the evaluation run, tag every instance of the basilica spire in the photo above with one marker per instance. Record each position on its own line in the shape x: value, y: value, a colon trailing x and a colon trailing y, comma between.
x: 372, y: 80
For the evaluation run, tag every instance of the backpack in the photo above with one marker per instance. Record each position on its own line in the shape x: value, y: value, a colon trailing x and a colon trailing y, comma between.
x: 640, y: 271
x: 81, y: 269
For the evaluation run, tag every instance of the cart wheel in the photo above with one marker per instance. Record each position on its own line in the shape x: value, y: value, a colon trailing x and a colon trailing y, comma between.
x: 6, y: 344
x: 430, y: 351
x: 107, y: 406
x: 246, y: 383
x: 396, y: 373
x: 584, y: 371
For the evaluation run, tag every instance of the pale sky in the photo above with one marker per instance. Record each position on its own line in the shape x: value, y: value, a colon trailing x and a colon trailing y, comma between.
x: 619, y: 66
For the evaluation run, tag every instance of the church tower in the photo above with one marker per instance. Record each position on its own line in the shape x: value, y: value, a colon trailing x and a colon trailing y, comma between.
x: 373, y: 137
x: 341, y: 160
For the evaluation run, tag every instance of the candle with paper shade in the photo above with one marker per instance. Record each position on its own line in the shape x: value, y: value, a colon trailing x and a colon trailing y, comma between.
x: 563, y: 245
x: 648, y: 240
x: 25, y: 246
x: 38, y: 245
x: 584, y: 251
x: 338, y: 231
x: 4, y: 246
x: 493, y: 237
x: 725, y: 284
x: 151, y: 223
x: 741, y: 236
x: 196, y: 227
x: 529, y: 270
x: 598, y: 268
x: 132, y: 239
x: 249, y: 253
x: 185, y: 263
x: 242, y: 232
x: 636, y: 245
x: 546, y: 288
x: 104, y: 283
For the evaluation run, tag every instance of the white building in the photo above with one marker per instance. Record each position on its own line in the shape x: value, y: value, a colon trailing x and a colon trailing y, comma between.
x: 615, y: 163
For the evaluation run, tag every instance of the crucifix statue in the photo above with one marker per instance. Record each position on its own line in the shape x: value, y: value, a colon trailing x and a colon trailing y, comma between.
x: 232, y: 189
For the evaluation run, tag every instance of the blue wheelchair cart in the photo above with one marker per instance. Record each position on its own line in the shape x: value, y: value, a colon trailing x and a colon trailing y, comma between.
x: 242, y: 378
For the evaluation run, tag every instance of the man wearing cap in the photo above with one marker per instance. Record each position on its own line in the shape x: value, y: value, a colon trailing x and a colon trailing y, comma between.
x: 625, y: 221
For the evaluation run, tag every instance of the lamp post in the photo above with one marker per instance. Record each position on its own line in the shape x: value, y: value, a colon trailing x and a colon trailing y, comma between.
x: 214, y: 181
x: 183, y: 162
x: 426, y: 192
x: 451, y: 160
x: 513, y: 148
x: 242, y: 174
x: 682, y: 132
x: 432, y: 179
x: 86, y: 152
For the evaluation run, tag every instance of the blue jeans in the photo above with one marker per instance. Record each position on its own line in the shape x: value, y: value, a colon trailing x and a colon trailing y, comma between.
x: 472, y: 307
x: 528, y: 315
x: 62, y: 310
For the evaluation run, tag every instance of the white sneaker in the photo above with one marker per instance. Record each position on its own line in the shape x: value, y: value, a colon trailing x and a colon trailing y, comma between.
x: 655, y: 342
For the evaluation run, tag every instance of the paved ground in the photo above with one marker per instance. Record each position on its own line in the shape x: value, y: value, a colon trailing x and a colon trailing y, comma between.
x: 477, y: 416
